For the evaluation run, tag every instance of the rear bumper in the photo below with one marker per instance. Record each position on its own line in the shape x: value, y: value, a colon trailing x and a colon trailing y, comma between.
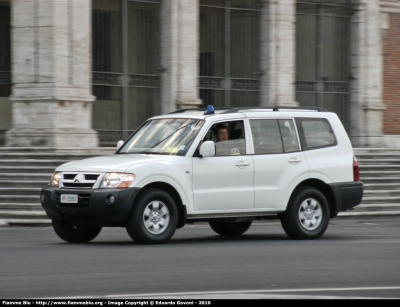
x: 349, y: 194
x: 93, y: 207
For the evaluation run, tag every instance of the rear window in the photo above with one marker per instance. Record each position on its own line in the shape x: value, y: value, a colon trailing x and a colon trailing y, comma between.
x: 315, y: 133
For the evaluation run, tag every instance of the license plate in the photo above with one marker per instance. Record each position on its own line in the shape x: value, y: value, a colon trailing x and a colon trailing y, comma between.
x: 69, y: 198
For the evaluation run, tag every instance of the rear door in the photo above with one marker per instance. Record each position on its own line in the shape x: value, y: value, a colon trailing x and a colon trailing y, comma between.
x: 278, y: 162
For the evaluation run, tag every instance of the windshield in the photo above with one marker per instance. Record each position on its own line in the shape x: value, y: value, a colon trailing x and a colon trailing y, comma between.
x: 171, y: 136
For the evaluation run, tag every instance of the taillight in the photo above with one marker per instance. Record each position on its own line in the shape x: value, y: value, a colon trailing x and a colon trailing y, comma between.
x: 356, y: 170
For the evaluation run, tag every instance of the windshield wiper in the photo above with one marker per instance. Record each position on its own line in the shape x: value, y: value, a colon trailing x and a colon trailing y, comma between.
x: 144, y: 151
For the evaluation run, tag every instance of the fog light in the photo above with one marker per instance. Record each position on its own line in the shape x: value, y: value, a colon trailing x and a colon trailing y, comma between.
x: 110, y: 199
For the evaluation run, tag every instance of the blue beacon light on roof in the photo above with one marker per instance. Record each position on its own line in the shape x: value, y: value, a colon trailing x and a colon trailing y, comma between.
x: 210, y: 110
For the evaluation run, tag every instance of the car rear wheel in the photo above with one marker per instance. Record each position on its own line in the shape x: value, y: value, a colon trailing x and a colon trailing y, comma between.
x: 307, y: 214
x: 71, y: 233
x: 228, y: 227
x: 154, y: 218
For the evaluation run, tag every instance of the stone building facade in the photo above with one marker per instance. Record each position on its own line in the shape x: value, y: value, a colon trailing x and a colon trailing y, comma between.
x: 86, y: 73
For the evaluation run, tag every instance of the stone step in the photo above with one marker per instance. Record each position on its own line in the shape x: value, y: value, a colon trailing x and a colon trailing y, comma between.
x: 368, y: 159
x: 377, y: 173
x: 31, y: 162
x: 21, y: 206
x: 19, y: 191
x: 51, y: 156
x: 24, y: 183
x: 366, y: 200
x: 376, y: 151
x: 32, y: 199
x: 62, y: 150
x: 382, y: 168
x: 381, y: 186
x: 63, y: 157
x: 27, y: 169
x: 26, y: 176
x: 20, y: 214
x: 381, y: 193
x: 372, y: 180
x: 378, y: 161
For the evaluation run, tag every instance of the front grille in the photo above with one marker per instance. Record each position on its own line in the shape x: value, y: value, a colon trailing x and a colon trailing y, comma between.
x: 79, y: 180
x: 77, y: 185
x: 91, y: 177
x: 83, y: 201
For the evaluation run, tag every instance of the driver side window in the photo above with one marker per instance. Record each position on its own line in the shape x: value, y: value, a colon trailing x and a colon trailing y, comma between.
x: 229, y: 138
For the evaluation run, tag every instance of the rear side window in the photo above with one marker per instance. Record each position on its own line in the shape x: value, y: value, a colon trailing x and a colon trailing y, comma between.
x: 266, y: 136
x: 315, y: 133
x: 271, y: 136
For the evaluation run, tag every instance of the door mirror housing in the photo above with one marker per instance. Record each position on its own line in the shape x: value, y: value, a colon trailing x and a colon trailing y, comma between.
x: 119, y: 144
x: 207, y: 149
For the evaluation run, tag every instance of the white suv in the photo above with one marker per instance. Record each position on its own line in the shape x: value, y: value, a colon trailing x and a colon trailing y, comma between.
x: 295, y: 164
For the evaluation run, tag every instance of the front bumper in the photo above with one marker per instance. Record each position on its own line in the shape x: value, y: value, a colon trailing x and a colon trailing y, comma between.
x: 93, y: 207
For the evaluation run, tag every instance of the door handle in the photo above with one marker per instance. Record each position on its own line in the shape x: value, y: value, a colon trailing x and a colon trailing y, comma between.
x: 294, y: 160
x: 242, y: 164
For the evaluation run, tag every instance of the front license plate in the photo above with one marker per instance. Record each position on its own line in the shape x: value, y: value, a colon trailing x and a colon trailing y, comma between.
x: 69, y: 198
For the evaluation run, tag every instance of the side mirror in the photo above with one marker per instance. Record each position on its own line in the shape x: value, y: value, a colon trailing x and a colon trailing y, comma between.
x: 120, y: 143
x: 207, y: 149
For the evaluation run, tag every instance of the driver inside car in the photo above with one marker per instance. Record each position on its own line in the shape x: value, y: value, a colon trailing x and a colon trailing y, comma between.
x: 224, y: 148
x: 221, y: 133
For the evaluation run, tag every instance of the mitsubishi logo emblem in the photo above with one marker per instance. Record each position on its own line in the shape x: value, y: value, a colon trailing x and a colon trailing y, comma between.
x: 78, y: 178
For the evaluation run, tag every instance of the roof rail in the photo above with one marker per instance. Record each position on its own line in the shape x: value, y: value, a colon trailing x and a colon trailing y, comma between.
x: 199, y: 109
x: 275, y: 108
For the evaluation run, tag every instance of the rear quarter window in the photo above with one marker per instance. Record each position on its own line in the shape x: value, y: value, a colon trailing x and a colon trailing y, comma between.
x: 315, y: 133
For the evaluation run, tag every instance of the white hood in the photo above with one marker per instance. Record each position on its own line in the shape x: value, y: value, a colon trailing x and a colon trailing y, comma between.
x: 111, y: 163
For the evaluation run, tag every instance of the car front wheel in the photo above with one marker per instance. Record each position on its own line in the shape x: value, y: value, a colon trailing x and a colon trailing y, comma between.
x: 307, y: 214
x: 154, y: 217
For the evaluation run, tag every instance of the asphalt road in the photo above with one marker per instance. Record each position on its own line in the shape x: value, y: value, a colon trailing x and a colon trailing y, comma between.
x: 356, y: 258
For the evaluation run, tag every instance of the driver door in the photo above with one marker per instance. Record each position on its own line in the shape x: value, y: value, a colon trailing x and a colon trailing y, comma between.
x: 225, y: 182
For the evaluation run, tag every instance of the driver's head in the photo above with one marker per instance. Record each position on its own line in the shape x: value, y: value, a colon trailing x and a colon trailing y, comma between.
x: 221, y: 133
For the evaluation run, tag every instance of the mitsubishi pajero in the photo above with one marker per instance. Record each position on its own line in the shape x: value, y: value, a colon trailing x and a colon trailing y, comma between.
x: 292, y: 163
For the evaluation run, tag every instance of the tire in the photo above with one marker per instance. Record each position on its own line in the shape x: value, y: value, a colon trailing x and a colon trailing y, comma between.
x: 307, y: 214
x: 154, y: 218
x: 68, y: 232
x: 227, y: 227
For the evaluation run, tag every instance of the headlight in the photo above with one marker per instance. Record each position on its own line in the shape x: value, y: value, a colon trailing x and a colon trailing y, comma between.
x: 116, y: 180
x: 55, y: 180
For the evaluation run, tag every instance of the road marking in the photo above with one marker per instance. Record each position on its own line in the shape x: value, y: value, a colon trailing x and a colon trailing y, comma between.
x: 272, y: 293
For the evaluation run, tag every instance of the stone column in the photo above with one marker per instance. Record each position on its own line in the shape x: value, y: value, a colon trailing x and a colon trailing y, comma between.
x: 278, y: 43
x: 366, y: 106
x: 51, y: 73
x: 180, y: 55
